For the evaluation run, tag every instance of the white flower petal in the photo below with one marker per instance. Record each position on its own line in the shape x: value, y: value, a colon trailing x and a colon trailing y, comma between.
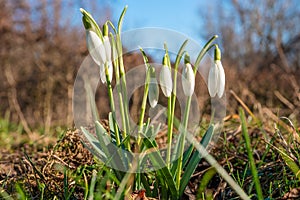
x: 188, y: 80
x: 102, y: 73
x: 221, y: 76
x: 212, y: 81
x: 166, y: 83
x: 107, y: 47
x: 110, y: 70
x: 95, y: 47
x: 153, y: 94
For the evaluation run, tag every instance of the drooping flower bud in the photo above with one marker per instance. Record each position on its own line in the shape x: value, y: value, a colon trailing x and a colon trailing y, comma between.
x: 166, y: 83
x: 95, y: 47
x: 216, y: 76
x: 106, y: 42
x: 188, y: 77
x: 153, y: 94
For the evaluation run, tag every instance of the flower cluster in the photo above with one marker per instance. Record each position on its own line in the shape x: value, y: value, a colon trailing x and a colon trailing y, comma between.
x: 100, y: 50
x: 106, y: 52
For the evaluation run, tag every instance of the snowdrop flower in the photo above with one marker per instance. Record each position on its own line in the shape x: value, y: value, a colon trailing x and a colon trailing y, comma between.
x: 106, y: 43
x: 165, y: 78
x: 108, y: 50
x: 95, y: 47
x: 100, y: 52
x: 153, y: 93
x: 216, y: 76
x: 188, y: 78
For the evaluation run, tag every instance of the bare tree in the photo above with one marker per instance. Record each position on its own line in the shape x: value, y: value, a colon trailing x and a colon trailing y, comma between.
x: 252, y: 31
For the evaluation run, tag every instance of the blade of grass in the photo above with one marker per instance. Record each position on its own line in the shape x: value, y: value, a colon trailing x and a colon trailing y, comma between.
x: 250, y: 155
x: 289, y: 161
x: 92, y: 185
x: 20, y: 192
x: 66, y: 184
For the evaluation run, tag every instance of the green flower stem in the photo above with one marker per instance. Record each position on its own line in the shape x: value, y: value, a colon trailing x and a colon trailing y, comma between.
x: 122, y: 68
x: 123, y: 82
x: 182, y: 141
x: 206, y: 47
x: 141, y: 121
x: 170, y: 133
x: 143, y: 106
x: 250, y: 155
x: 119, y: 90
x: 173, y: 96
x: 112, y: 104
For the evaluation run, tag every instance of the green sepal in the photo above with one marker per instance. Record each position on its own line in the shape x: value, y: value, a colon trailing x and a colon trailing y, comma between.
x: 86, y: 23
x: 217, y: 53
x: 105, y: 29
x: 187, y: 58
x: 90, y: 23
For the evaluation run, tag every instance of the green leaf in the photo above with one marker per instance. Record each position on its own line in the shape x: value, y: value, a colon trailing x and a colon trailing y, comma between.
x: 152, y: 132
x: 194, y: 161
x: 112, y: 129
x: 103, y: 137
x: 163, y: 192
x: 95, y: 144
x: 164, y: 172
x: 187, y: 155
x: 146, y: 184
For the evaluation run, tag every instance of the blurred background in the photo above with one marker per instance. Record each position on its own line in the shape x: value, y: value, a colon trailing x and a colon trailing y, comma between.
x: 43, y: 45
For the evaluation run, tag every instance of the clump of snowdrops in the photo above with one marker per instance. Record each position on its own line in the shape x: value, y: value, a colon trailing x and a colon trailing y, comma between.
x: 132, y: 151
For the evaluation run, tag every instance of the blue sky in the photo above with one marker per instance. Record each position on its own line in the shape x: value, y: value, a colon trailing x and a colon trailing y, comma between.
x: 179, y: 15
x: 182, y: 16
